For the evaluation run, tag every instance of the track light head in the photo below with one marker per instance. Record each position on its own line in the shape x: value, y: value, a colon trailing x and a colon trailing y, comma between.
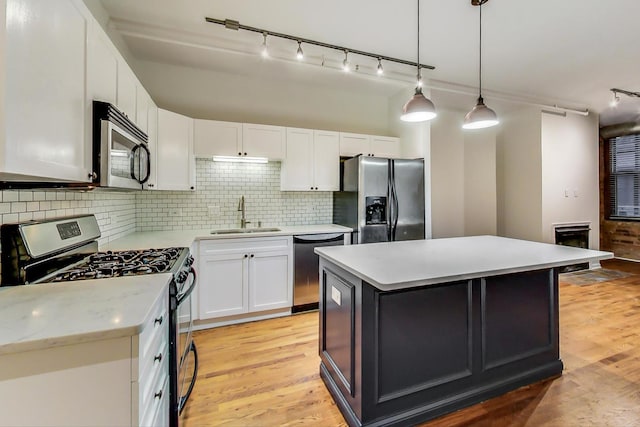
x: 346, y: 67
x: 380, y: 70
x: 265, y: 50
x: 300, y: 53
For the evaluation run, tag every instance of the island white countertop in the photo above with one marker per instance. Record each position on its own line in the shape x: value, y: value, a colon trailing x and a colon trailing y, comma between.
x: 184, y: 238
x: 34, y: 317
x: 407, y: 264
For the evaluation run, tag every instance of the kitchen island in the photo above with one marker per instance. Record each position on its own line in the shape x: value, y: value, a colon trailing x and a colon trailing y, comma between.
x: 412, y: 330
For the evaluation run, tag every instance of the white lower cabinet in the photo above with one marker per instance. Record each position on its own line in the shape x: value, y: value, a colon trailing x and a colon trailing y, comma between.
x: 239, y: 276
x: 110, y: 382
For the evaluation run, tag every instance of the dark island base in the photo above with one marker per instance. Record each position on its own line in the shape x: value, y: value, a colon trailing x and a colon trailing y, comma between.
x: 402, y: 357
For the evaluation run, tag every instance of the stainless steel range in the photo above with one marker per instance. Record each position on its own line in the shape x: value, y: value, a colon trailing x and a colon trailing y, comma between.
x: 66, y: 249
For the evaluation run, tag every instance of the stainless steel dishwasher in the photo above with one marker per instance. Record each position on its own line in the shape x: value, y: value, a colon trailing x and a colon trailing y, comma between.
x: 305, y: 268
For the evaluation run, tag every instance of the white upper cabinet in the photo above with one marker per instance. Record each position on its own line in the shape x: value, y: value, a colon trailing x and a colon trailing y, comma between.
x: 152, y: 132
x: 127, y: 84
x: 44, y: 88
x: 385, y: 146
x: 263, y: 141
x: 326, y: 160
x: 215, y: 138
x: 102, y: 66
x: 352, y: 144
x: 296, y: 171
x: 312, y: 161
x: 175, y: 165
x: 142, y: 108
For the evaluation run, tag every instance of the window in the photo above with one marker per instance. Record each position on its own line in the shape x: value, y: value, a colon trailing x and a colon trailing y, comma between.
x: 624, y: 176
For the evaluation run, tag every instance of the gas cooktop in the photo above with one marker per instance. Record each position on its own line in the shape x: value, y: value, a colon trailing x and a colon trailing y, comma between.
x: 108, y: 264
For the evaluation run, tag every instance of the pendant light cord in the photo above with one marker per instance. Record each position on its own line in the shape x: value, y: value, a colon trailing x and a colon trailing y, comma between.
x: 418, y: 62
x: 480, y: 67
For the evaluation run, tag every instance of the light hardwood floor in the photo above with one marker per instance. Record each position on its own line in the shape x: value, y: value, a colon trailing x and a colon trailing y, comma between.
x: 266, y: 373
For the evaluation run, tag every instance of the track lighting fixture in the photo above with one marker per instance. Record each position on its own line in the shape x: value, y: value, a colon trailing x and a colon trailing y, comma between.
x: 300, y: 53
x: 419, y: 108
x: 235, y: 25
x: 616, y: 99
x: 480, y: 116
x: 345, y: 63
x: 265, y: 50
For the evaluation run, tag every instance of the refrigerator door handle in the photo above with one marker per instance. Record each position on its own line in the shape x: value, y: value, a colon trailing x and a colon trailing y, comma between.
x: 393, y: 201
x: 389, y: 204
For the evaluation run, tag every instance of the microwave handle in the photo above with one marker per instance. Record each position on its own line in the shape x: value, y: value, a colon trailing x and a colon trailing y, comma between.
x: 133, y: 163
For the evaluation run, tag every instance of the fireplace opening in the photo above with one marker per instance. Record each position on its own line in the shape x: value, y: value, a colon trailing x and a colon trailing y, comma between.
x: 573, y: 235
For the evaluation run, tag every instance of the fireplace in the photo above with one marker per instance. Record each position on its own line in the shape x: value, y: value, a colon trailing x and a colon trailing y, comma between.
x: 573, y: 235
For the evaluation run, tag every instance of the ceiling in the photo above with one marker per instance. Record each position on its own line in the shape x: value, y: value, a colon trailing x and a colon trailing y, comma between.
x: 567, y: 53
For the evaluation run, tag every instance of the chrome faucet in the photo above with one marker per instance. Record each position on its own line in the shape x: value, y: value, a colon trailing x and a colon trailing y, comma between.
x: 243, y: 221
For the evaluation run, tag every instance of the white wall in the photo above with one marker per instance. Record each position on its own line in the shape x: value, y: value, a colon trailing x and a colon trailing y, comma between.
x: 447, y: 175
x: 570, y: 165
x: 480, y: 204
x: 519, y: 166
x: 208, y: 94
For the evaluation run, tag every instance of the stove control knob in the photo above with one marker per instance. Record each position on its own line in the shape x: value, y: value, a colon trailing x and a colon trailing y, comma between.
x: 189, y: 261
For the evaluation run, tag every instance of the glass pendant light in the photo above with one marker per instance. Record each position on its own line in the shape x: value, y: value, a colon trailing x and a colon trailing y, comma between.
x: 419, y: 108
x: 480, y: 116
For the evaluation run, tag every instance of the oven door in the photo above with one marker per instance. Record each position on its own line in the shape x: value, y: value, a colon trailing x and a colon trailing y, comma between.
x: 125, y: 161
x: 187, y: 356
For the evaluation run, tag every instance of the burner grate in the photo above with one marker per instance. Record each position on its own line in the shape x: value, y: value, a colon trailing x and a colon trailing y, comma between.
x: 122, y: 263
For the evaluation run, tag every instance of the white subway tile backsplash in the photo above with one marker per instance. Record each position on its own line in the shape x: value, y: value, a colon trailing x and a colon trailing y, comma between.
x: 220, y: 186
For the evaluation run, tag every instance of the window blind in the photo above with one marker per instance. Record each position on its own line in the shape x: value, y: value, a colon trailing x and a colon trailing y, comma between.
x: 624, y: 176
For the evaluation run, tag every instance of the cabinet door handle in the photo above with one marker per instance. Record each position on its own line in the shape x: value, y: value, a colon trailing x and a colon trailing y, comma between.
x: 158, y: 320
x: 158, y: 358
x: 158, y: 395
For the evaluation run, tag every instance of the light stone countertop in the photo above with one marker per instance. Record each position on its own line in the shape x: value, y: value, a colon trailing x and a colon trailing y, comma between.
x: 184, y: 238
x: 34, y: 317
x: 407, y: 264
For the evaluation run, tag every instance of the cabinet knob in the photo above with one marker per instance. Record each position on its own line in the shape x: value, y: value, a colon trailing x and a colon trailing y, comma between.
x: 312, y: 188
x: 246, y: 256
x: 158, y: 358
x: 158, y: 395
x: 239, y: 153
x: 316, y: 188
x: 245, y: 154
x: 192, y: 188
x: 158, y: 320
x: 251, y: 255
x: 93, y: 175
x: 151, y: 186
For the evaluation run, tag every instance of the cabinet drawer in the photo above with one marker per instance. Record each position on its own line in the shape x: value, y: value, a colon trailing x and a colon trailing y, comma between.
x: 154, y: 361
x: 156, y: 324
x: 155, y: 402
x: 214, y: 247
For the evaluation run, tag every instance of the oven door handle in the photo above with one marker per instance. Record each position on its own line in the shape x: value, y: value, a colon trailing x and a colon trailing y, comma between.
x: 186, y: 293
x: 183, y: 399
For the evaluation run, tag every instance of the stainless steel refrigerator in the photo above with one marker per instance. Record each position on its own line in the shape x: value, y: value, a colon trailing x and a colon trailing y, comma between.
x: 381, y: 199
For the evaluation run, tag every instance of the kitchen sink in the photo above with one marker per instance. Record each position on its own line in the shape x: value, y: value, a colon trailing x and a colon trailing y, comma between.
x: 245, y: 230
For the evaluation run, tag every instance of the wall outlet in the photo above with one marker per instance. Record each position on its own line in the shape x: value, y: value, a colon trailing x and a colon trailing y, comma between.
x: 175, y: 212
x: 214, y: 210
